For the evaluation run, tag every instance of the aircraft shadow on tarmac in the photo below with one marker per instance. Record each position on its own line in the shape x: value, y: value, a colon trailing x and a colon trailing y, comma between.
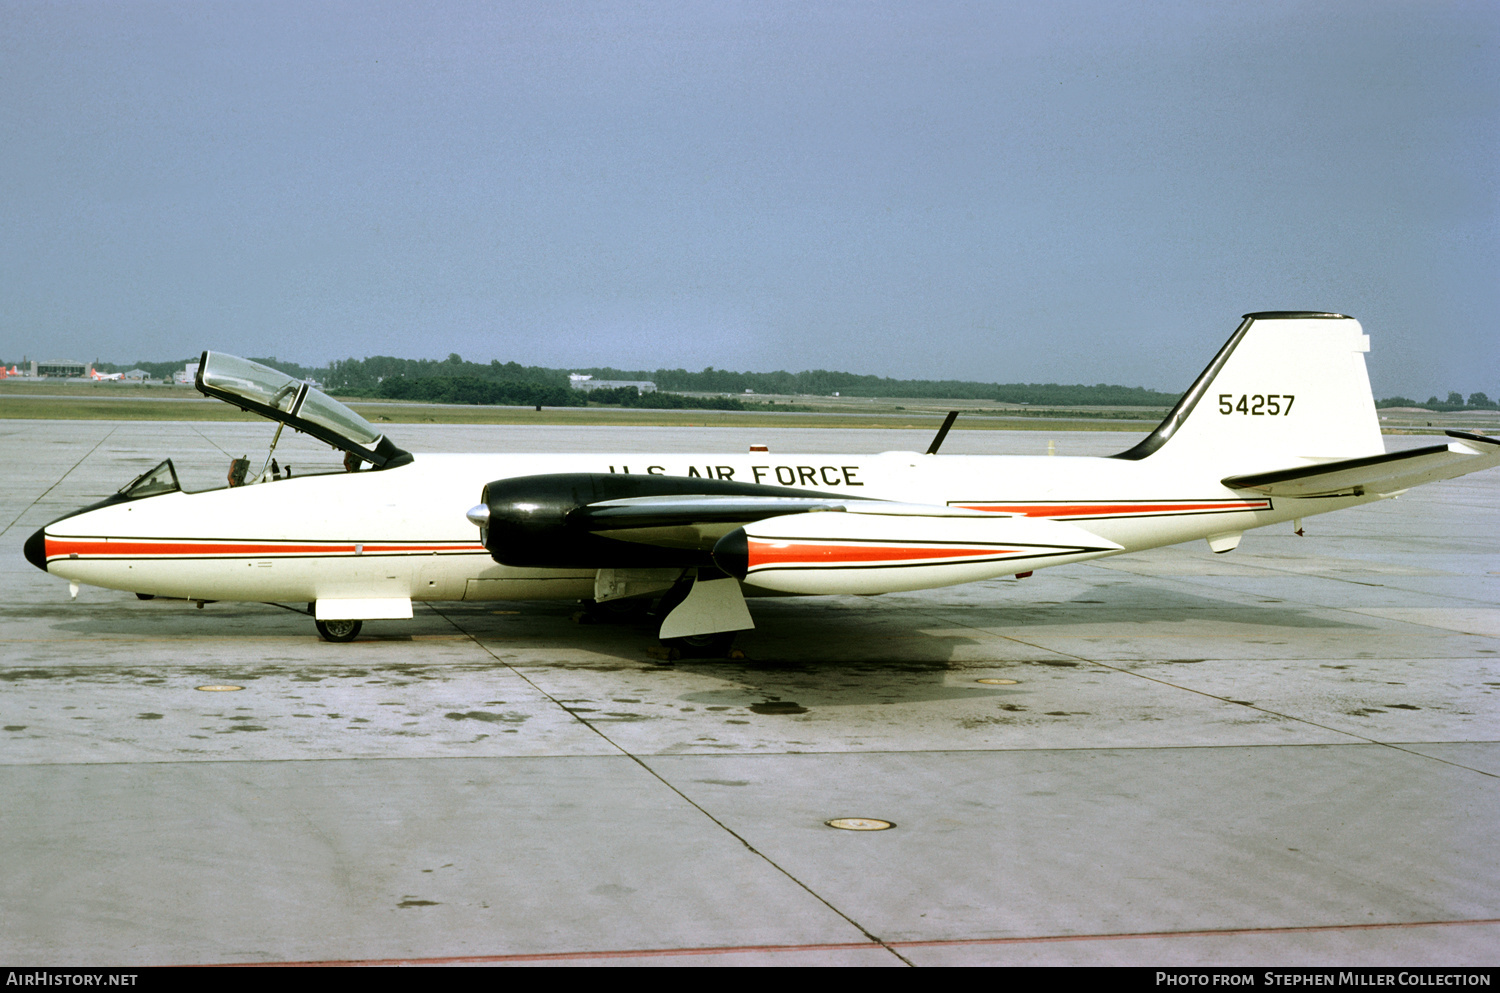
x: 803, y: 655
x: 845, y: 629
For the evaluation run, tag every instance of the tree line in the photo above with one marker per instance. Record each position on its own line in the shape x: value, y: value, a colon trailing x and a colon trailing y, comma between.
x: 1454, y: 402
x: 388, y: 377
x: 823, y: 382
x: 454, y: 380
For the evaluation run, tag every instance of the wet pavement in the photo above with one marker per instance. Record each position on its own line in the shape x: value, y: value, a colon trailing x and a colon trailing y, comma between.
x: 1285, y: 755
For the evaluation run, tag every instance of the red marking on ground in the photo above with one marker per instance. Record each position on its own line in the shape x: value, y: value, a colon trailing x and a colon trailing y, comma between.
x: 856, y: 945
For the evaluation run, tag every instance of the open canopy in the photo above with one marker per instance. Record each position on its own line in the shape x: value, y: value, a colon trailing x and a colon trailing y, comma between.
x: 265, y: 391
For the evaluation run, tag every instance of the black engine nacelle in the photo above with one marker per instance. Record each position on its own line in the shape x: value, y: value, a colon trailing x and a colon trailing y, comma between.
x: 529, y: 519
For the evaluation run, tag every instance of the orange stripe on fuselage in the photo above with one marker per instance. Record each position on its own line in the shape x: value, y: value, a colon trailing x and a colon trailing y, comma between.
x: 1111, y: 509
x: 116, y: 548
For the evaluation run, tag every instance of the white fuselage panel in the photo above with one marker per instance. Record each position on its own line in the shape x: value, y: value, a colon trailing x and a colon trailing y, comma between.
x: 402, y: 532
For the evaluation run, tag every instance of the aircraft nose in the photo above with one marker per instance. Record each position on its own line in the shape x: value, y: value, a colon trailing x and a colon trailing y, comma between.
x: 36, y: 549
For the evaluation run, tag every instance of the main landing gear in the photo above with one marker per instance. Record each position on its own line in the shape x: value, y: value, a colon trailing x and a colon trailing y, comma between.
x: 701, y: 616
x: 625, y: 611
x: 701, y: 646
x: 716, y: 645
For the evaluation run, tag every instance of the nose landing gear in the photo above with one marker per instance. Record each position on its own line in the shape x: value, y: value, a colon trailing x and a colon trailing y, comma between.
x: 338, y: 631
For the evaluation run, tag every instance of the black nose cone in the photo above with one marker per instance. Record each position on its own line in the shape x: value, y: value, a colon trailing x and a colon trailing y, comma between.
x: 732, y: 553
x: 36, y: 549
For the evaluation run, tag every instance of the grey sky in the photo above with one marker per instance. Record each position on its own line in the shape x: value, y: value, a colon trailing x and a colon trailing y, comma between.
x: 1060, y: 191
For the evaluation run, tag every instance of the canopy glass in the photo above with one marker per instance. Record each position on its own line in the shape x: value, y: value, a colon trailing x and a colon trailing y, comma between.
x: 255, y: 387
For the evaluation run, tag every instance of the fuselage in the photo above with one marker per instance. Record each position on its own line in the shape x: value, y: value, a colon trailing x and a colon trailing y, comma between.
x: 402, y: 532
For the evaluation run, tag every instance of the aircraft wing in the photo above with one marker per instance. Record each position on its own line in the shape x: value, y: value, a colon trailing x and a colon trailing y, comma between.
x: 809, y: 545
x: 1379, y: 474
x: 608, y: 520
x: 699, y: 520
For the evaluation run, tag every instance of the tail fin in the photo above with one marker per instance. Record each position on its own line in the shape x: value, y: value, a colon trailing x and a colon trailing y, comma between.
x: 1288, y: 385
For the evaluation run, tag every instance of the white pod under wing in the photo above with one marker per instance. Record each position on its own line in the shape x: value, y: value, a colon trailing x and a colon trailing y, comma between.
x: 872, y: 553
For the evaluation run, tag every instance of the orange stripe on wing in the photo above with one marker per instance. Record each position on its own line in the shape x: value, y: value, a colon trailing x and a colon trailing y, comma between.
x: 780, y: 553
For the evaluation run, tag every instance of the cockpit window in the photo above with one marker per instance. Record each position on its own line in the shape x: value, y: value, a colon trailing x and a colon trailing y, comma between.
x: 276, y: 395
x: 250, y: 381
x: 322, y: 409
x: 153, y: 482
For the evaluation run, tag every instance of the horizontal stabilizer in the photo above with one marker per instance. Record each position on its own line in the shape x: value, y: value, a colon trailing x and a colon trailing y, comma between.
x: 1378, y: 474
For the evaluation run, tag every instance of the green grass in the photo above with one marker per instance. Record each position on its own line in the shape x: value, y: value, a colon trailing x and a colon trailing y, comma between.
x: 85, y: 402
x: 116, y: 409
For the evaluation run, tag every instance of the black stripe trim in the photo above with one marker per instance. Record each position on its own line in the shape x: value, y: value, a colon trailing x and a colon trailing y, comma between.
x: 1295, y: 315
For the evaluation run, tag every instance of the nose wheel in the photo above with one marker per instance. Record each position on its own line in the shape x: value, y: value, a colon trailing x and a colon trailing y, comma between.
x: 338, y: 631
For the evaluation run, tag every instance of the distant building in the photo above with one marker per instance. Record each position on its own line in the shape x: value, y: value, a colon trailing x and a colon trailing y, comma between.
x: 581, y: 382
x: 59, y: 369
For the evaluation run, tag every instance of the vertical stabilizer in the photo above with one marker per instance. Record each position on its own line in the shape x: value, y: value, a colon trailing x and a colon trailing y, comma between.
x: 1287, y: 386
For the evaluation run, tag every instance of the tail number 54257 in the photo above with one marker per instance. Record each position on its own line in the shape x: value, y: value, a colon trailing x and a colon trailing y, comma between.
x: 1270, y: 405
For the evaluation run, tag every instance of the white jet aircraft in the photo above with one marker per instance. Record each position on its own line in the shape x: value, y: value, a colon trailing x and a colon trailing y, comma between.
x: 105, y: 377
x: 1280, y: 426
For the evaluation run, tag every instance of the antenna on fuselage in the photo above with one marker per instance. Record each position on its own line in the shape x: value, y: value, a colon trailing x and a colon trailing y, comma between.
x: 942, y: 432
